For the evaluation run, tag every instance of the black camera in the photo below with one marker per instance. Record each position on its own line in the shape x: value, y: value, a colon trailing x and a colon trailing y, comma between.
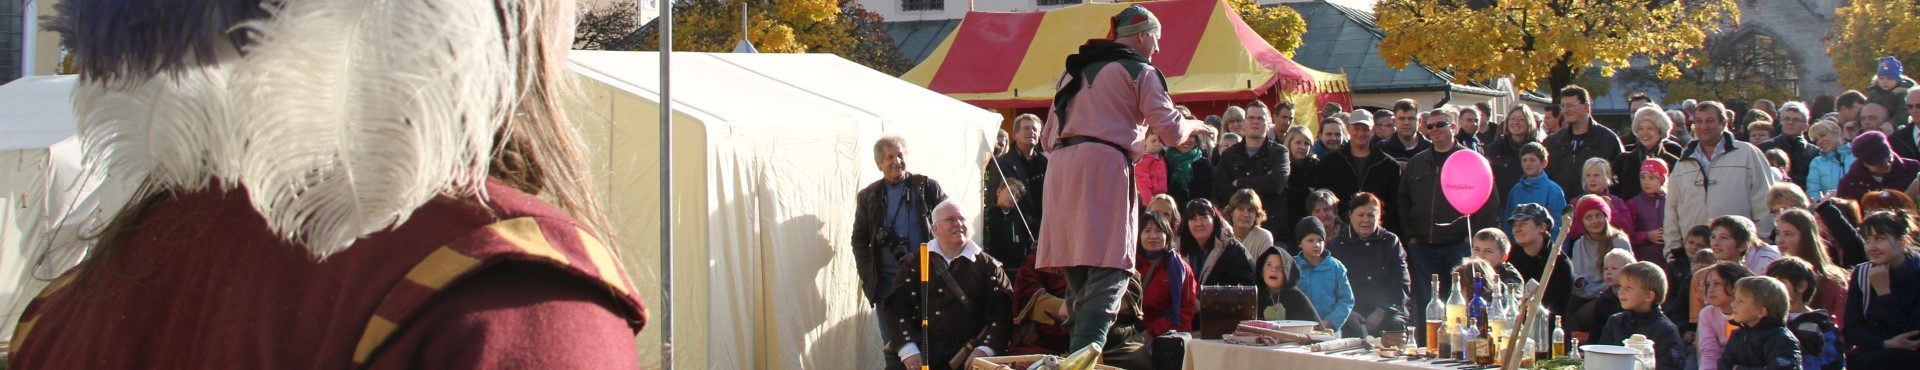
x: 888, y: 241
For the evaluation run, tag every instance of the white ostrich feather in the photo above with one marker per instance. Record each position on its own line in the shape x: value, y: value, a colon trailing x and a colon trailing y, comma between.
x: 357, y: 111
x: 339, y: 118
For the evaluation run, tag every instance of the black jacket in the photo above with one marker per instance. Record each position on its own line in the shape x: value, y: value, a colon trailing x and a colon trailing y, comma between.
x: 1532, y: 266
x: 1846, y: 247
x: 1667, y: 343
x: 1626, y: 166
x: 1298, y: 187
x: 1509, y: 275
x: 1765, y: 345
x: 1377, y: 269
x: 1423, y: 209
x: 1009, y: 236
x: 1030, y: 171
x: 1380, y: 176
x: 1504, y: 156
x: 1265, y: 171
x: 1903, y: 143
x: 1564, y: 161
x: 870, y: 207
x: 1289, y: 297
x: 1800, y: 153
x: 1399, y: 151
x: 1233, y: 268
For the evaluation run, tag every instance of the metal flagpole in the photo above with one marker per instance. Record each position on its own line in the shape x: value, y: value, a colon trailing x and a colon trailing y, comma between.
x: 666, y: 185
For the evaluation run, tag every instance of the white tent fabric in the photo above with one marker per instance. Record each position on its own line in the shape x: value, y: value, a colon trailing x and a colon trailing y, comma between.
x: 769, y: 151
x: 41, y: 192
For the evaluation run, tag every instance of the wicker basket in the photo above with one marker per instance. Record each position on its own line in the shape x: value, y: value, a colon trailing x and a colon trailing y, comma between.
x: 1017, y: 362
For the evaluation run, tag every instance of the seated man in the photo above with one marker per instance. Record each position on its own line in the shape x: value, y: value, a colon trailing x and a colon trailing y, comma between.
x: 969, y: 302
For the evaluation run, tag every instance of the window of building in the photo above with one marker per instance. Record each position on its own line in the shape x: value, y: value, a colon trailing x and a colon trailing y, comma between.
x: 914, y: 5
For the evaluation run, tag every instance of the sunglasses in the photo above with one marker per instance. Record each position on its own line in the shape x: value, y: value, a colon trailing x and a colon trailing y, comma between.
x: 1437, y: 126
x: 1913, y: 106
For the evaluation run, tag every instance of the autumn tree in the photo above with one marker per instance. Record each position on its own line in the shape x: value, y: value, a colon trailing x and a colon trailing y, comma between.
x: 1866, y: 30
x: 606, y: 27
x: 1739, y: 67
x: 840, y: 27
x: 1279, y: 25
x: 1547, y: 41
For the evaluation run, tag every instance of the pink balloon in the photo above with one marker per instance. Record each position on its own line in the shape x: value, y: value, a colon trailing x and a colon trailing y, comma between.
x: 1466, y: 179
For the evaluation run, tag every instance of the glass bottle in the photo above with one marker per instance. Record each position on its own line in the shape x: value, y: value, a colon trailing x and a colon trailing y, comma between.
x: 1469, y: 335
x: 1477, y: 305
x: 1483, y: 348
x: 1445, y: 340
x: 1542, y: 327
x: 1456, y: 305
x: 1559, y: 339
x: 1436, y: 314
x: 1501, y: 321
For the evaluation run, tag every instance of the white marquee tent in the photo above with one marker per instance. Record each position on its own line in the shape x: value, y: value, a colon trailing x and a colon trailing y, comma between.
x: 769, y: 151
x: 39, y: 166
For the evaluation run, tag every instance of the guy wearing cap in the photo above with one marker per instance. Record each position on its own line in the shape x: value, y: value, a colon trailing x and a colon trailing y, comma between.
x: 1110, y: 97
x: 1875, y: 167
x: 1890, y: 85
x: 1359, y: 167
x: 1530, y: 223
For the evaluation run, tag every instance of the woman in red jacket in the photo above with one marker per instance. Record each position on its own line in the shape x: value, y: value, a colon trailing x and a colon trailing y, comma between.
x: 1171, y: 293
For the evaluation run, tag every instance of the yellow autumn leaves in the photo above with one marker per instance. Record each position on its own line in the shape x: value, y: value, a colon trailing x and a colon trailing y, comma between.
x: 1539, y: 40
x: 1866, y: 30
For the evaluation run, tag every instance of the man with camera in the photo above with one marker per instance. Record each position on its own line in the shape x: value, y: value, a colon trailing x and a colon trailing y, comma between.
x: 891, y: 217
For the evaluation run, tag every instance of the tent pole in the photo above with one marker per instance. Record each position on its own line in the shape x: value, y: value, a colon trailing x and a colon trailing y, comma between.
x: 666, y: 187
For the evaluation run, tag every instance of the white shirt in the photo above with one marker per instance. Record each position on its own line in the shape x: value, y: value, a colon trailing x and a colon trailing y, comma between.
x: 971, y: 252
x: 1759, y: 256
x: 1716, y: 150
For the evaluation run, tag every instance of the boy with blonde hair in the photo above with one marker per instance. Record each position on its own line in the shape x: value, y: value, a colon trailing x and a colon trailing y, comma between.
x: 1762, y: 340
x: 1642, y: 286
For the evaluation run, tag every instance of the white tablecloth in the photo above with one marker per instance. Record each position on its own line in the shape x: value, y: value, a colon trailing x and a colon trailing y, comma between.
x: 1212, y: 354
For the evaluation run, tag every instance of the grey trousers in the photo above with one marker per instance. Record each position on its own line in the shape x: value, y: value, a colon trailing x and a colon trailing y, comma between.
x: 1093, y: 297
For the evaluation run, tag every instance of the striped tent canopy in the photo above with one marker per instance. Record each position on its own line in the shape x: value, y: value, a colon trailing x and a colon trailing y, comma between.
x: 1209, y: 55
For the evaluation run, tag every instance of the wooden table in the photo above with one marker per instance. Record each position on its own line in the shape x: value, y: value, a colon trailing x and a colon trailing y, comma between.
x: 1211, y: 354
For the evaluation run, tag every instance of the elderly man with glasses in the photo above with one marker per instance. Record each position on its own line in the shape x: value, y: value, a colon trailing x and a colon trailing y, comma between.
x: 1793, y: 139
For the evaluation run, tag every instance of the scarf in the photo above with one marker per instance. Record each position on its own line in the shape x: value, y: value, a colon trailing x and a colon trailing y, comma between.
x: 1180, y: 168
x: 1095, y: 53
x: 1176, y: 274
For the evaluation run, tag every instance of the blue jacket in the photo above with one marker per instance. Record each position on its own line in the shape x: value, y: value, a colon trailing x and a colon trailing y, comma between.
x: 1326, y: 285
x: 1823, y: 175
x: 1536, y: 189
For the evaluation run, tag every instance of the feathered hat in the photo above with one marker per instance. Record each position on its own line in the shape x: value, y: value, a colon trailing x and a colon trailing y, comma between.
x: 337, y: 117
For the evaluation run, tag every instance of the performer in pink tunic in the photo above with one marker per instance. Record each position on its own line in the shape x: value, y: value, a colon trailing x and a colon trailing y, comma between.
x: 1110, y: 97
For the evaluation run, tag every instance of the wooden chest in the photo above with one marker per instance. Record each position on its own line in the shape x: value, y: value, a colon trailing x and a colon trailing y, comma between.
x: 1222, y: 308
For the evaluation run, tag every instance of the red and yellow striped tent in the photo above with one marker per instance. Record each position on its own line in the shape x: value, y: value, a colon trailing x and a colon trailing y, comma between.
x: 1212, y: 59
